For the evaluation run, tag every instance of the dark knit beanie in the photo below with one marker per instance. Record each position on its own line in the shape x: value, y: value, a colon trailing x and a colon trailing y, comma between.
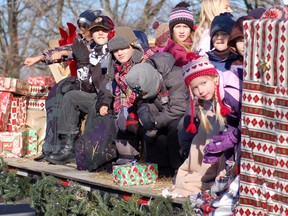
x: 181, y: 14
x: 223, y: 22
x: 256, y: 13
x: 143, y: 77
x: 238, y: 30
x: 103, y: 22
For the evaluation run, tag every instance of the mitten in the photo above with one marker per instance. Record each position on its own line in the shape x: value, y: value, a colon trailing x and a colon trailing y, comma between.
x: 145, y: 117
x: 122, y: 118
x: 80, y: 53
x: 211, y: 158
x: 221, y: 143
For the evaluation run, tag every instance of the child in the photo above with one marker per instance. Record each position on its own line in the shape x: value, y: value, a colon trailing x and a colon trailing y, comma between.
x: 78, y: 98
x: 126, y: 52
x: 217, y: 105
x: 53, y: 102
x: 221, y: 55
x: 162, y: 34
x: 209, y: 9
x: 181, y: 26
x: 162, y: 102
x: 236, y: 39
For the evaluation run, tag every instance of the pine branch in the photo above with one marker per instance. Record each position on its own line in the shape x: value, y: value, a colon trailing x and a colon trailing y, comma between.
x: 48, y: 196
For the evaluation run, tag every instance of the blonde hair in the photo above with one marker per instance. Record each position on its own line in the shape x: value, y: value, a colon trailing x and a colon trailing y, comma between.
x: 186, y: 45
x: 209, y: 9
x: 203, y: 117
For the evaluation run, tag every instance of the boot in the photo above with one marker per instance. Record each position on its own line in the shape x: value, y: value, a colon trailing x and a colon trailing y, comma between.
x: 42, y: 157
x: 67, y: 152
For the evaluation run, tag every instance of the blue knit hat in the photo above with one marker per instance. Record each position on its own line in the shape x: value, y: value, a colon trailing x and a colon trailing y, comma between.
x: 223, y: 22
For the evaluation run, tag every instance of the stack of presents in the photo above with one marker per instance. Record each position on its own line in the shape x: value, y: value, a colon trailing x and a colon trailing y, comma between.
x: 23, y: 125
x: 22, y: 115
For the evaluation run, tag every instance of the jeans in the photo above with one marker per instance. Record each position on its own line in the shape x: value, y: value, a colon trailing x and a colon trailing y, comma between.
x: 76, y: 103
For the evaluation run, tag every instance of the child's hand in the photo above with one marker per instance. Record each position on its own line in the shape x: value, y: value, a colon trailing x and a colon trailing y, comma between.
x: 103, y: 110
x: 221, y: 143
x: 30, y: 61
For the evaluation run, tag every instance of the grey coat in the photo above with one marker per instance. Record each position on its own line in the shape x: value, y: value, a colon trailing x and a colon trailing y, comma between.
x: 172, y: 100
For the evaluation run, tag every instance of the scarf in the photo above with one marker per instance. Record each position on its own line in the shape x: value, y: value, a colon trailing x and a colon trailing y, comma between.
x: 124, y: 96
x: 98, y: 54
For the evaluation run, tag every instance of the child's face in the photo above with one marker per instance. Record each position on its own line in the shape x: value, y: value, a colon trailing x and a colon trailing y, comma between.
x: 225, y: 6
x: 84, y: 31
x: 181, y: 32
x: 123, y: 55
x: 220, y: 40
x: 100, y: 35
x: 203, y: 87
x: 240, y: 46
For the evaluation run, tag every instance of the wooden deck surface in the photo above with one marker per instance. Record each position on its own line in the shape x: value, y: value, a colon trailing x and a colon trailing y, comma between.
x: 94, y: 180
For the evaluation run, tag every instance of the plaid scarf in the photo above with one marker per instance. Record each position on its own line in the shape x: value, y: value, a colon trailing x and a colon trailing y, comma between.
x: 124, y: 97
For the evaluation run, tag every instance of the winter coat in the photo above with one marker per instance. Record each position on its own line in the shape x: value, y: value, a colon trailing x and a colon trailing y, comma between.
x: 108, y: 86
x: 178, y: 52
x: 222, y: 60
x: 97, y: 74
x: 171, y: 102
x: 195, y: 176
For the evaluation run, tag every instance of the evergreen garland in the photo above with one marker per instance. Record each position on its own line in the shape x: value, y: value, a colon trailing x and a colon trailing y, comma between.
x: 49, y: 196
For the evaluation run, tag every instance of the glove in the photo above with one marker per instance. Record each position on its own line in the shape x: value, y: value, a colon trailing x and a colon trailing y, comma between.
x: 122, y: 118
x: 80, y: 53
x: 145, y: 117
x: 211, y: 158
x: 221, y: 143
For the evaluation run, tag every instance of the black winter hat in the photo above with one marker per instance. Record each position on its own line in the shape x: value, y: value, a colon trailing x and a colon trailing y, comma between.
x: 223, y: 22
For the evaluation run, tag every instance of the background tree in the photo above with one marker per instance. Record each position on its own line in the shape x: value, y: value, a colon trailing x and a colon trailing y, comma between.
x: 26, y: 26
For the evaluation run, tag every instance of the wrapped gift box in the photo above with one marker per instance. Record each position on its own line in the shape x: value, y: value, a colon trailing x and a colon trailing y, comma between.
x: 36, y: 119
x: 37, y: 103
x: 41, y: 81
x: 39, y: 90
x: 5, y: 107
x: 18, y: 113
x: 31, y: 141
x: 135, y: 174
x: 12, y: 144
x: 264, y: 132
x: 16, y: 86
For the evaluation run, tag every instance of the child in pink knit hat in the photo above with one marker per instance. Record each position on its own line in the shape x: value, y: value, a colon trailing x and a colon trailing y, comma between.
x: 215, y: 102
